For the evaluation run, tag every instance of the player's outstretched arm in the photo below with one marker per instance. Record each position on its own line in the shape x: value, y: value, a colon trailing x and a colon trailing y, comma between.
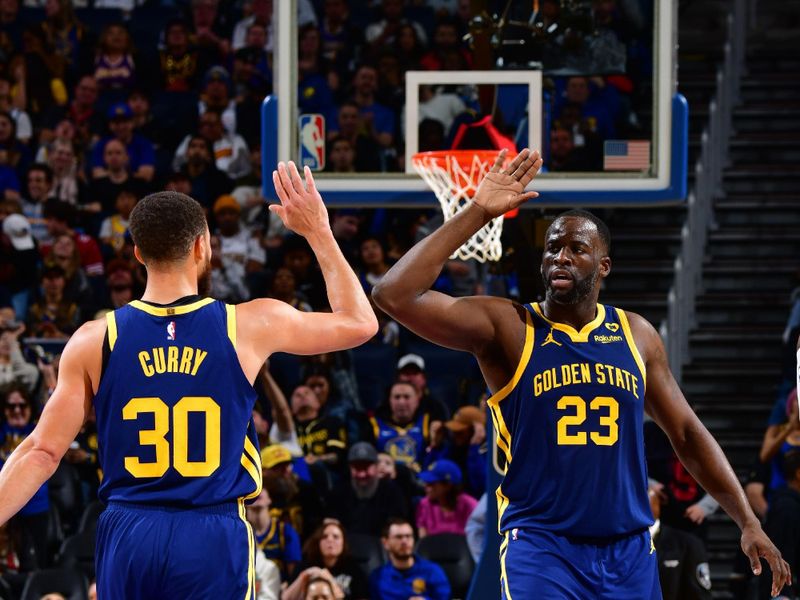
x: 36, y: 458
x: 267, y: 326
x: 404, y: 291
x: 700, y: 453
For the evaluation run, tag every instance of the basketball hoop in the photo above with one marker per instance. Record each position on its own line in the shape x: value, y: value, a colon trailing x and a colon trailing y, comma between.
x: 454, y: 176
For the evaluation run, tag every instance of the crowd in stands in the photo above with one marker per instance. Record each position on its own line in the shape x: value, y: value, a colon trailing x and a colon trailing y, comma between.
x: 370, y: 458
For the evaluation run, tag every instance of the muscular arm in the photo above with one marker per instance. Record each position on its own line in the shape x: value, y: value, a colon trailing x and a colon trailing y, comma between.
x: 470, y: 324
x: 266, y: 326
x: 36, y: 458
x: 698, y: 450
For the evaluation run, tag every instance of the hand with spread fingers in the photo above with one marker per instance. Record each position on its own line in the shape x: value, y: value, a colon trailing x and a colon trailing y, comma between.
x: 503, y: 189
x: 757, y: 545
x: 301, y: 208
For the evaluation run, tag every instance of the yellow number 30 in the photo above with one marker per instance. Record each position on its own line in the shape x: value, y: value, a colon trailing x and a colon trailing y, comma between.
x: 579, y: 438
x: 156, y: 437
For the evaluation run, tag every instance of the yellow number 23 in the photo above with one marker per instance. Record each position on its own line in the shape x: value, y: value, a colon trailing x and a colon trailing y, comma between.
x: 156, y: 437
x: 578, y: 416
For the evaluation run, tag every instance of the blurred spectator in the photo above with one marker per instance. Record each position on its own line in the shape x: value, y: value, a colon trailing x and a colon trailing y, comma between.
x: 82, y: 454
x: 16, y: 558
x: 19, y: 420
x: 14, y: 369
x: 314, y: 584
x: 335, y: 392
x: 327, y: 548
x: 282, y: 430
x: 252, y: 74
x: 11, y: 26
x: 440, y: 105
x: 475, y: 529
x: 22, y: 121
x: 682, y: 561
x: 350, y: 126
x: 408, y: 48
x: 406, y: 575
x: 277, y: 539
x: 59, y: 217
x: 37, y: 192
x: 114, y: 227
x: 783, y: 526
x: 231, y: 154
x: 411, y: 368
x: 299, y: 258
x: 780, y: 440
x: 216, y: 97
x: 445, y: 508
x: 241, y: 253
x: 104, y: 190
x: 341, y: 156
x: 19, y: 258
x: 52, y: 316
x: 81, y: 111
x: 15, y: 154
x: 379, y: 121
x: 178, y: 62
x: 297, y: 499
x: 37, y: 74
x: 313, y: 81
x: 592, y: 107
x: 322, y: 437
x: 400, y: 427
x: 64, y: 32
x: 254, y: 207
x: 114, y: 69
x: 756, y: 488
x: 77, y: 289
x: 268, y: 579
x: 391, y: 83
x: 284, y: 288
x: 210, y: 35
x: 345, y: 225
x: 402, y: 476
x: 781, y: 426
x: 384, y: 32
x: 141, y: 154
x: 446, y: 53
x: 120, y: 286
x: 68, y: 183
x: 463, y: 441
x: 564, y: 156
x: 262, y: 10
x: 366, y: 502
x: 207, y: 182
x: 9, y: 181
x: 373, y: 262
x: 341, y: 41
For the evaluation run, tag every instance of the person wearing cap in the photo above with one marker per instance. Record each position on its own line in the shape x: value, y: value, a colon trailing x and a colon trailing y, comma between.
x: 240, y: 254
x: 401, y: 428
x: 19, y: 258
x: 276, y: 538
x: 141, y: 153
x: 288, y: 482
x: 445, y: 508
x: 216, y: 97
x: 365, y: 502
x: 463, y: 441
x: 411, y: 367
x: 231, y: 154
x: 406, y: 576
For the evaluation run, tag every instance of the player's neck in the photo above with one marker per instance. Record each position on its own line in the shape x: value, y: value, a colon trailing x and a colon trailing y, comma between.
x: 164, y: 287
x: 575, y: 315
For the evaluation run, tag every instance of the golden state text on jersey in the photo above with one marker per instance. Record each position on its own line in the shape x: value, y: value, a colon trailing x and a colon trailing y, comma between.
x: 570, y: 426
x: 174, y: 409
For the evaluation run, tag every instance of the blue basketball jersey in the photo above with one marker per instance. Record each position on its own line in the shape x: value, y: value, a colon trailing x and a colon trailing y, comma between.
x: 404, y: 444
x: 570, y: 426
x: 174, y: 408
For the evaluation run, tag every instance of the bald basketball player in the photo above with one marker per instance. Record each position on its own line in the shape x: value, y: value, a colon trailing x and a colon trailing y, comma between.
x: 571, y: 380
x: 170, y: 378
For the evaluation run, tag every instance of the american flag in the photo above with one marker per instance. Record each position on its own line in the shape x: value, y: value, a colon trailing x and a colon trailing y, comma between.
x: 622, y: 155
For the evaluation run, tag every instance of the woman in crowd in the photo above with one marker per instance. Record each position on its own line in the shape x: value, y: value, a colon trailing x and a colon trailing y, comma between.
x: 445, y: 508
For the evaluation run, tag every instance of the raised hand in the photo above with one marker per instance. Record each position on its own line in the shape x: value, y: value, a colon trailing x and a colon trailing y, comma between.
x: 301, y: 208
x: 503, y: 190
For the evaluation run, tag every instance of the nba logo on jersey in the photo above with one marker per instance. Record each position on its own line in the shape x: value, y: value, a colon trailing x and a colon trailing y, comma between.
x: 171, y: 331
x: 312, y: 141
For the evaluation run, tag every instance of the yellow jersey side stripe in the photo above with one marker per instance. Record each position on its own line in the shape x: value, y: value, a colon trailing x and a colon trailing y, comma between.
x: 503, y: 572
x: 230, y: 310
x: 168, y: 311
x: 502, y: 505
x: 111, y: 323
x: 255, y: 473
x: 626, y: 329
x: 574, y: 335
x: 251, y: 555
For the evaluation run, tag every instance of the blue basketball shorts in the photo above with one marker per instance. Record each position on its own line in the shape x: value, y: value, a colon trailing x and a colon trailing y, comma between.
x: 153, y: 553
x: 538, y: 564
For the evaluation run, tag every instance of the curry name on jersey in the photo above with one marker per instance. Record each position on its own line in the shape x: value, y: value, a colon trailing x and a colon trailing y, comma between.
x: 570, y: 426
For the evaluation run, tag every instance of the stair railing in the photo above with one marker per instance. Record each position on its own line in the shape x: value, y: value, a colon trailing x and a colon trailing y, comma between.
x: 708, y: 170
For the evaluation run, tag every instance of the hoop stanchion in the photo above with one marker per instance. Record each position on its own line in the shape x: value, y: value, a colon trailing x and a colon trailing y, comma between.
x: 454, y: 175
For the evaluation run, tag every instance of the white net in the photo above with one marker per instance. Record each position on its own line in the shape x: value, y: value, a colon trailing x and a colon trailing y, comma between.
x: 454, y: 177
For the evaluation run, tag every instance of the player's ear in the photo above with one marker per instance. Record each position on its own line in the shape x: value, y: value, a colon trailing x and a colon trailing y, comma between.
x: 138, y: 254
x: 605, y: 266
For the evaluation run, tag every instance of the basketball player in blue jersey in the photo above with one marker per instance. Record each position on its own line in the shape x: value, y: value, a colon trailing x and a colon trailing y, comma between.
x: 170, y: 377
x: 571, y: 380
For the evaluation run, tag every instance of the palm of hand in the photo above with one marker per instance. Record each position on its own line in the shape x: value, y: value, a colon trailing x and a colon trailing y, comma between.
x: 498, y: 194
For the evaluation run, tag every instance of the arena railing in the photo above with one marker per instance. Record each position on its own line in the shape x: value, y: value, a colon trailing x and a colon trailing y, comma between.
x: 714, y: 145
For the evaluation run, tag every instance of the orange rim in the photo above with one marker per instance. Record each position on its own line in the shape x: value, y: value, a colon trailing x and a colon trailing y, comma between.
x: 464, y: 158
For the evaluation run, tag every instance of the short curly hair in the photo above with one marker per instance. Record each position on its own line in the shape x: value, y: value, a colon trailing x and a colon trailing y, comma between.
x: 164, y: 225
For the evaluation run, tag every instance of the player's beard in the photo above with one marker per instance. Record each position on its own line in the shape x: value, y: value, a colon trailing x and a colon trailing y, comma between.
x: 204, y: 280
x: 580, y: 289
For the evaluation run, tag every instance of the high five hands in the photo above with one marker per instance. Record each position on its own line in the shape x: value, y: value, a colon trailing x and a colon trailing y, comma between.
x: 502, y: 189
